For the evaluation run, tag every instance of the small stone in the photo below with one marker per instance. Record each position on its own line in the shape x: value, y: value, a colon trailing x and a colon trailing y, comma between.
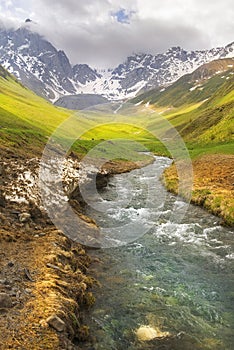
x: 3, y: 281
x: 14, y: 292
x: 42, y: 234
x: 24, y: 217
x: 5, y: 301
x: 1, y: 170
x: 2, y: 200
x: 43, y: 324
x: 56, y: 322
x: 83, y: 285
x: 28, y: 290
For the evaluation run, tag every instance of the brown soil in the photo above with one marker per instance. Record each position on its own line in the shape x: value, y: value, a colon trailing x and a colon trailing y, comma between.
x: 213, y: 184
x: 43, y: 272
x: 44, y: 276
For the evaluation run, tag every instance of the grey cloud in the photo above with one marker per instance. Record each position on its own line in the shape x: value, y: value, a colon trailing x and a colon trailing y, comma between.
x: 89, y: 33
x: 108, y: 45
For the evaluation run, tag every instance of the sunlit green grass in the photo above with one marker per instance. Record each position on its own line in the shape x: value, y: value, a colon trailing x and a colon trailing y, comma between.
x: 28, y: 107
x: 27, y: 121
x: 196, y: 150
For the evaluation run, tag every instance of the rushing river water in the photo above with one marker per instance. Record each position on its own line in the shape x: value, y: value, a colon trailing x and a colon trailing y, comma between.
x: 177, y: 277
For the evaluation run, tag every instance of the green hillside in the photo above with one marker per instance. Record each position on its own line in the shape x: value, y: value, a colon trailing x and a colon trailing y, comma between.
x: 201, y: 106
x: 26, y: 120
x: 191, y: 88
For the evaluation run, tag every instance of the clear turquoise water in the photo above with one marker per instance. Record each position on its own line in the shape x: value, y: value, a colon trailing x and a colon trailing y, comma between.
x: 177, y: 277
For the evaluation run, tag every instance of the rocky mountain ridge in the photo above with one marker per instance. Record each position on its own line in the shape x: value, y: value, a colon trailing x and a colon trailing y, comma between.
x: 48, y: 72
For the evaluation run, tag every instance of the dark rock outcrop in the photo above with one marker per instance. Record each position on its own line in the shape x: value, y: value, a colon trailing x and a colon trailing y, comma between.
x: 80, y: 101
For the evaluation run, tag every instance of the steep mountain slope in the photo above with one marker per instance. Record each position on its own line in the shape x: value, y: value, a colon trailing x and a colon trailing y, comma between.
x: 213, y: 121
x: 26, y: 120
x: 39, y: 65
x: 48, y: 72
x: 194, y: 87
x: 151, y: 71
x: 200, y: 105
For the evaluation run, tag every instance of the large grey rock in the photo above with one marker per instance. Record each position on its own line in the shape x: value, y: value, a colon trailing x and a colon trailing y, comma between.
x: 83, y: 73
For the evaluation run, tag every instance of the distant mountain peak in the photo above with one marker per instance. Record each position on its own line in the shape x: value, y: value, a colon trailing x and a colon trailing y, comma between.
x: 175, y: 49
x: 48, y: 72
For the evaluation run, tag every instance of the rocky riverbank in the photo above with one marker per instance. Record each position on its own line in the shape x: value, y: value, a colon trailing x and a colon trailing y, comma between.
x: 213, y: 184
x: 45, y: 287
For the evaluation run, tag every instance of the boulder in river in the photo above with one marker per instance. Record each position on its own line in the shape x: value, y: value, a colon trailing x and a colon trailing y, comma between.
x: 147, y: 333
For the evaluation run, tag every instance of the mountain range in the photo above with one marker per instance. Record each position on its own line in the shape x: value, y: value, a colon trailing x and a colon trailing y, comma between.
x: 48, y: 72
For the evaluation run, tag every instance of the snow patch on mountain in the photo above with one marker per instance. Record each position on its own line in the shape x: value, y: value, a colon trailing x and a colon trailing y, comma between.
x: 48, y: 72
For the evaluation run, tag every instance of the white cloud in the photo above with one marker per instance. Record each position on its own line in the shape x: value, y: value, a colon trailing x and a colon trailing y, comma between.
x: 89, y: 32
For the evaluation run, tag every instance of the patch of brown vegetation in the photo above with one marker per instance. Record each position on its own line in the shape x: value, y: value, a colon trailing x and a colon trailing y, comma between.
x: 213, y: 184
x: 43, y: 273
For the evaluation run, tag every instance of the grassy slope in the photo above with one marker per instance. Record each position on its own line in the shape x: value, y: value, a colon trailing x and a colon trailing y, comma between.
x: 27, y: 121
x: 201, y: 107
x: 201, y: 87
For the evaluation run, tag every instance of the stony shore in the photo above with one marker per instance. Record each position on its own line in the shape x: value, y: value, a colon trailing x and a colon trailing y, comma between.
x: 45, y: 287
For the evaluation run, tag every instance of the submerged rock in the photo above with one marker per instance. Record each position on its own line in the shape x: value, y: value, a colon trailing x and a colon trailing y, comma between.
x: 146, y: 333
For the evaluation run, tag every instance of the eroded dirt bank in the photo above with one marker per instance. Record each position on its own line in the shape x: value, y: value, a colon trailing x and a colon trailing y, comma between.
x: 45, y: 287
x: 213, y: 184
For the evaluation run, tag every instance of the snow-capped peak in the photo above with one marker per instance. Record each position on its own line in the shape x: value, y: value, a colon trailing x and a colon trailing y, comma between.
x: 48, y: 72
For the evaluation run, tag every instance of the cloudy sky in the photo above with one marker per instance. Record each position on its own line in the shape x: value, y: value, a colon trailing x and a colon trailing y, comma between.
x: 103, y: 32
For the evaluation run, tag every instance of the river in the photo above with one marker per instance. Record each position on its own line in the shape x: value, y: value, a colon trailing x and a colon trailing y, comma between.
x: 177, y: 277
